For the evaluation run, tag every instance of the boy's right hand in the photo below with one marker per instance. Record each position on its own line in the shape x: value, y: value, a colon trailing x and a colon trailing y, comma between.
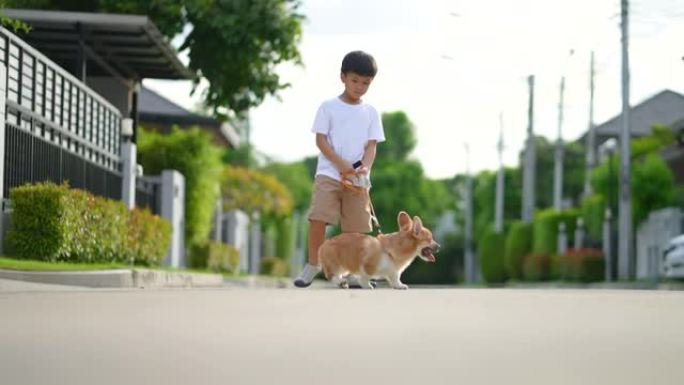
x: 346, y: 168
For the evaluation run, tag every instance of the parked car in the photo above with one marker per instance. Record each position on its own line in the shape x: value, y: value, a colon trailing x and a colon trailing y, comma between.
x: 673, y: 258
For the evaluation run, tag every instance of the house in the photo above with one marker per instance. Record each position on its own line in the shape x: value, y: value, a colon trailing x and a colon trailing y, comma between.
x: 110, y: 53
x: 160, y: 114
x: 665, y: 107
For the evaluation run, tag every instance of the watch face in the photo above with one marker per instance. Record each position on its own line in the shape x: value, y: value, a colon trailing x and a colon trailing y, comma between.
x: 357, y: 164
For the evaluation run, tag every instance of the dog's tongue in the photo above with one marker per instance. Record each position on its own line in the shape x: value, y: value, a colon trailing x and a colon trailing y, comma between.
x: 427, y: 253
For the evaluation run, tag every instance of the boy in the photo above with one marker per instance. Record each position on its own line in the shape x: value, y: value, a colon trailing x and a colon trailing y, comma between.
x: 347, y: 132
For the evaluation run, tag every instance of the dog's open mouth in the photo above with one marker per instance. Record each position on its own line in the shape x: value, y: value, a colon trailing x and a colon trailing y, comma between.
x: 426, y: 252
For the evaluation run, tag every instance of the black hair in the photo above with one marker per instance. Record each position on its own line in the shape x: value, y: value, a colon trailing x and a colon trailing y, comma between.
x: 360, y: 63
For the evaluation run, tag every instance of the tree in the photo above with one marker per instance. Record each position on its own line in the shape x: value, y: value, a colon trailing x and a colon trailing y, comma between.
x: 295, y: 177
x: 399, y: 183
x: 234, y: 44
x: 573, y: 171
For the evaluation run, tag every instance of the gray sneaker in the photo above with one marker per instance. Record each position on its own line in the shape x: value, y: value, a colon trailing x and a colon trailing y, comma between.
x: 307, y: 275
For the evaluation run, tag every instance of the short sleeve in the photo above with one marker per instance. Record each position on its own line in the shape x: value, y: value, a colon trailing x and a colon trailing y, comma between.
x: 376, y: 131
x: 321, y: 123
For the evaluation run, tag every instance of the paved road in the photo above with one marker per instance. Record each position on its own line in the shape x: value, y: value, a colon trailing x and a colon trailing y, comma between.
x: 327, y: 336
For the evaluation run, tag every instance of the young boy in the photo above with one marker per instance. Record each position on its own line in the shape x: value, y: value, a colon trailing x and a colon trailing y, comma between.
x: 347, y: 132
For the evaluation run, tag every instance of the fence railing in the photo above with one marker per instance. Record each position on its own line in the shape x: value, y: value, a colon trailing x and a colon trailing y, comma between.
x: 57, y: 129
x: 147, y: 193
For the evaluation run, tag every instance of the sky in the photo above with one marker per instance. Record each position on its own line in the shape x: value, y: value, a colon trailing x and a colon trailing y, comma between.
x: 455, y: 67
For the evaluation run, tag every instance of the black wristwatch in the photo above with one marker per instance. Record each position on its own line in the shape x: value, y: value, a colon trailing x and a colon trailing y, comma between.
x: 357, y: 164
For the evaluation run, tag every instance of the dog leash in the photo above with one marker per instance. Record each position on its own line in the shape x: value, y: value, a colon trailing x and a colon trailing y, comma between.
x: 347, y: 183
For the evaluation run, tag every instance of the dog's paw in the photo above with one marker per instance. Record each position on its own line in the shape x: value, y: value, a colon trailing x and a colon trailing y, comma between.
x: 401, y: 287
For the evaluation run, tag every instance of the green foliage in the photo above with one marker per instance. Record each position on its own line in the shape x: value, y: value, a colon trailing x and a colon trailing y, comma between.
x: 400, y: 183
x: 15, y: 25
x: 652, y: 185
x: 295, y: 177
x: 584, y: 265
x: 661, y: 137
x: 593, y: 213
x: 149, y: 237
x: 604, y: 180
x: 191, y: 153
x: 253, y: 191
x: 518, y: 245
x: 215, y: 256
x: 546, y: 223
x: 573, y: 170
x: 284, y: 239
x: 652, y: 182
x: 235, y: 45
x: 447, y: 268
x: 242, y: 156
x: 274, y: 266
x: 55, y: 223
x: 491, y: 253
x: 400, y: 136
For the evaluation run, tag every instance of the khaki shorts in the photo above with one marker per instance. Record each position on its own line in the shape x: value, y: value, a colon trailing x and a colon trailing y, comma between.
x: 331, y: 202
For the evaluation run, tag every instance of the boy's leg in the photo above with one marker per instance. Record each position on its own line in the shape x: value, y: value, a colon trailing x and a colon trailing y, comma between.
x: 325, y: 208
x: 311, y: 269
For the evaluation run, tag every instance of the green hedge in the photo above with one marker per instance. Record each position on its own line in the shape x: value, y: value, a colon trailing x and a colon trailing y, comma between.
x: 518, y: 244
x: 215, y: 256
x: 54, y: 223
x: 546, y: 229
x: 491, y: 252
x: 584, y: 265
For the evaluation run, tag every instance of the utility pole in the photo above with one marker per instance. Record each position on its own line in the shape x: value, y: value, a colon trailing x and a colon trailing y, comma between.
x: 469, y: 257
x: 529, y: 169
x: 591, y: 136
x: 558, y: 164
x: 625, y: 262
x: 499, y: 204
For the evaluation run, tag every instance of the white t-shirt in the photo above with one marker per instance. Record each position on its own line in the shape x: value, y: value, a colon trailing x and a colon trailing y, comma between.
x: 348, y: 128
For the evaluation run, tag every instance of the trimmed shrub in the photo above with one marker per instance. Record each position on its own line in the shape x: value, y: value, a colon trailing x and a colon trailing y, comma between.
x: 584, y: 265
x: 546, y: 229
x: 537, y: 267
x: 274, y: 266
x: 215, y: 256
x: 491, y: 252
x: 39, y: 222
x: 148, y: 239
x: 54, y: 223
x: 518, y: 244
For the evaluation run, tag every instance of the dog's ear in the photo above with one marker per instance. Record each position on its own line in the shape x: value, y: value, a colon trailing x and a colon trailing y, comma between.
x: 404, y: 221
x: 417, y: 226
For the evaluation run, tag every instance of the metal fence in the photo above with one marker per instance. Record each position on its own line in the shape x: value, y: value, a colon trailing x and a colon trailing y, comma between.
x: 147, y: 193
x: 57, y: 129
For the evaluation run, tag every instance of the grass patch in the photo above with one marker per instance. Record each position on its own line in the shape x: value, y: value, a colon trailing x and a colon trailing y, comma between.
x: 32, y: 265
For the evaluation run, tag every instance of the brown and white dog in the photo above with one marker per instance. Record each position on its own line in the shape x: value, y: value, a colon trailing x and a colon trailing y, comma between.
x: 384, y: 256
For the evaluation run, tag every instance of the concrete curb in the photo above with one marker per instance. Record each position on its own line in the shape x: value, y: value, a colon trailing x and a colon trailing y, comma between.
x: 119, y: 278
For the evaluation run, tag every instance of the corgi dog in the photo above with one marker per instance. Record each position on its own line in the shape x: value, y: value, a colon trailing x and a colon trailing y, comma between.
x: 384, y: 256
